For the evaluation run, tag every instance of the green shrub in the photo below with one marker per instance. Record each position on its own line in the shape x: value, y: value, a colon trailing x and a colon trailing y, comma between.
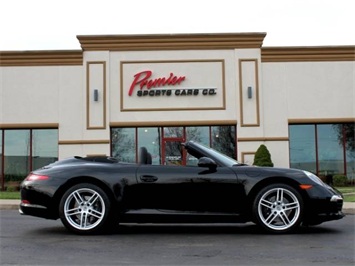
x: 11, y: 189
x: 263, y: 157
x: 14, y: 178
x: 340, y: 180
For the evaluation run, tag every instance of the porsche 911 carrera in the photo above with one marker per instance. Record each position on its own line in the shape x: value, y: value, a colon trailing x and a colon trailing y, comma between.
x: 95, y: 194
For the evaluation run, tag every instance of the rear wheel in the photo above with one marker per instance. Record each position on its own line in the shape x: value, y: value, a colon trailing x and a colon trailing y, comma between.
x: 278, y: 208
x: 85, y: 209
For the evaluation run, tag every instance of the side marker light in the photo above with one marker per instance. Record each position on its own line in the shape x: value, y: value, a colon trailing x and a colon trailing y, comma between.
x: 305, y: 187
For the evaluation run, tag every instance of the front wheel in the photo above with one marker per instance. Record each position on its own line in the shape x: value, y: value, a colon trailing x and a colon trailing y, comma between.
x: 278, y: 208
x: 84, y: 209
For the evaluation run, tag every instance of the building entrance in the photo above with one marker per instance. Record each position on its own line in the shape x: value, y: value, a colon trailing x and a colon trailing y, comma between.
x: 164, y: 143
x: 172, y: 151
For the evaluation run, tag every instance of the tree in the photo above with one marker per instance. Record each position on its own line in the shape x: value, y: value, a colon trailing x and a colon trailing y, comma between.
x: 224, y: 140
x: 346, y: 135
x: 262, y: 157
x: 123, y: 145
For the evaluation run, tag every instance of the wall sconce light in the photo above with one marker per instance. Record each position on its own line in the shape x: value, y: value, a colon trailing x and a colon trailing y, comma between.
x: 96, y: 95
x: 250, y: 92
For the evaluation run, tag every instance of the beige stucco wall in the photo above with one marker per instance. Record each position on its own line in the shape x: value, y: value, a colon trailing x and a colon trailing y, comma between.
x: 308, y: 90
x: 286, y: 90
x: 304, y: 90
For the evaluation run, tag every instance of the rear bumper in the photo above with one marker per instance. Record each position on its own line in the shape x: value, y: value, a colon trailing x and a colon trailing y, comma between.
x: 36, y: 210
x: 37, y: 202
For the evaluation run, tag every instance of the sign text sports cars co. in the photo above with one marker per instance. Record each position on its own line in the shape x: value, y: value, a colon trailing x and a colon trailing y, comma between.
x: 172, y: 85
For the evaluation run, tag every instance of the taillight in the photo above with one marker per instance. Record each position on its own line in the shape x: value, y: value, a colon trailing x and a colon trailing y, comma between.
x: 33, y: 177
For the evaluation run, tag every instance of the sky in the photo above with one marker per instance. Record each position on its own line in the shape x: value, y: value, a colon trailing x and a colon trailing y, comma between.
x: 54, y: 25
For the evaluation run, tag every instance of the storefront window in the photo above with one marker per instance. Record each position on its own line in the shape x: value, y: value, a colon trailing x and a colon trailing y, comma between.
x: 165, y: 143
x: 198, y: 134
x: 173, y: 132
x: 44, y: 147
x: 224, y: 140
x: 24, y: 150
x: 330, y: 150
x: 17, y: 151
x: 303, y: 147
x: 1, y: 151
x: 150, y: 137
x: 350, y: 165
x: 124, y: 144
x: 325, y: 149
x: 349, y: 133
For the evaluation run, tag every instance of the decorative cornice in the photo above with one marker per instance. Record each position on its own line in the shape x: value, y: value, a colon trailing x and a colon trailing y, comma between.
x: 30, y: 126
x: 83, y: 142
x: 174, y: 123
x: 171, y: 41
x: 256, y: 139
x: 301, y: 54
x: 41, y: 58
x: 176, y: 42
x: 321, y: 120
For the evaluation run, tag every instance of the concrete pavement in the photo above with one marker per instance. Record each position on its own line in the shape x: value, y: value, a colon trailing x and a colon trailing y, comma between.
x: 348, y: 207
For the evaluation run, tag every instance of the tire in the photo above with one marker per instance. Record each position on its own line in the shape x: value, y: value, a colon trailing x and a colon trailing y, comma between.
x: 85, y: 209
x: 278, y: 208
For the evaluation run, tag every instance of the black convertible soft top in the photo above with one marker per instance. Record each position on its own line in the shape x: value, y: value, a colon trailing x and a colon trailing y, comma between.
x: 99, y: 159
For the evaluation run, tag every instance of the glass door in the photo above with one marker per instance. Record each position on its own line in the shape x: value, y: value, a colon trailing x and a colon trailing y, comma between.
x: 172, y: 150
x: 173, y: 153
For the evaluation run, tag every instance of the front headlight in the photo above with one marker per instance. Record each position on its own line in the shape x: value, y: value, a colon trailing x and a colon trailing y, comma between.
x: 315, y: 178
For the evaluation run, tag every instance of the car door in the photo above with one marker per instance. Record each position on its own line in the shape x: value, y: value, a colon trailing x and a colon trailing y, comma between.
x: 188, y: 188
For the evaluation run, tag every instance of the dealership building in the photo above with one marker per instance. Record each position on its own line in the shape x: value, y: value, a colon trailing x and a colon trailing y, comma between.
x: 227, y: 91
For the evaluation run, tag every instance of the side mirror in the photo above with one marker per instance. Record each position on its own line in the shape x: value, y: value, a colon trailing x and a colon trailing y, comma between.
x: 207, y: 162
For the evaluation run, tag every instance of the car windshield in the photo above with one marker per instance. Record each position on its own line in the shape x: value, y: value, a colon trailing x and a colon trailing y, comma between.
x: 222, y: 158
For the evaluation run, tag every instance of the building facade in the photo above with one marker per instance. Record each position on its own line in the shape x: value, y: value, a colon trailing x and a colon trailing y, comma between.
x: 121, y: 92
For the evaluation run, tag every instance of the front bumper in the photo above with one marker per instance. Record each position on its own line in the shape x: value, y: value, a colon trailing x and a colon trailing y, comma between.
x: 326, y: 209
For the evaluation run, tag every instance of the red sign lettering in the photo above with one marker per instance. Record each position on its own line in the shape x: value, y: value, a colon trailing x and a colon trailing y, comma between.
x: 142, y: 80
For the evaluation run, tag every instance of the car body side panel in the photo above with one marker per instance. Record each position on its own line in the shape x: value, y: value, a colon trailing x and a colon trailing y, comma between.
x: 188, y: 189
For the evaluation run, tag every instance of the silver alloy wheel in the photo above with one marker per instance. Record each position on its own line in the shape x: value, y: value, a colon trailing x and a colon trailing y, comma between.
x: 279, y: 209
x: 84, y: 209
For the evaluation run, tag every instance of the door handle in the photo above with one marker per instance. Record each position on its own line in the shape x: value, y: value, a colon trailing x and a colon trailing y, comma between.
x: 148, y: 178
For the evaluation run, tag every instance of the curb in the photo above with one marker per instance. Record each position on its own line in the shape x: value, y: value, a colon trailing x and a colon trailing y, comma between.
x: 349, y: 207
x: 9, y: 204
x: 8, y: 207
x: 348, y: 211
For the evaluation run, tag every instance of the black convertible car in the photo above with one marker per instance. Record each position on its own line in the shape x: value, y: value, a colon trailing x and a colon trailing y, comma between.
x: 93, y: 194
